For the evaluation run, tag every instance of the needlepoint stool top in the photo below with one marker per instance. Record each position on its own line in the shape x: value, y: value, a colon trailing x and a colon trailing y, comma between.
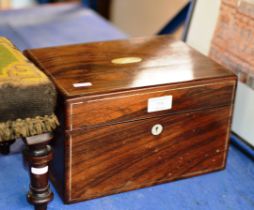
x: 27, y: 96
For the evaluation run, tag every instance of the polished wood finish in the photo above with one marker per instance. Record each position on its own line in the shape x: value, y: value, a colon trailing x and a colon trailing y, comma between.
x: 105, y: 144
x: 38, y: 156
x: 165, y: 61
x: 133, y: 106
x: 127, y: 156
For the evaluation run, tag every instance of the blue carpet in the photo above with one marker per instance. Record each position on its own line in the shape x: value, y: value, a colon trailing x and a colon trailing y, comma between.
x: 231, y: 189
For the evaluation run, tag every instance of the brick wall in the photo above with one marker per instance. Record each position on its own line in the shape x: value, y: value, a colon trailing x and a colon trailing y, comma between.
x: 233, y: 40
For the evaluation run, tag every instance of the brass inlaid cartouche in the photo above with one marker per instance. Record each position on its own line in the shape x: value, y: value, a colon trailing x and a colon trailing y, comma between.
x: 126, y: 60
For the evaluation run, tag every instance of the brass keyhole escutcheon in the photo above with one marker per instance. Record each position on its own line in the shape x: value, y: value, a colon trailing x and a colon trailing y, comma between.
x: 157, y: 129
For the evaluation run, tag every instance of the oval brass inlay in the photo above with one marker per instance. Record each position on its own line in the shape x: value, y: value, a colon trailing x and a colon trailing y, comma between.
x: 126, y: 60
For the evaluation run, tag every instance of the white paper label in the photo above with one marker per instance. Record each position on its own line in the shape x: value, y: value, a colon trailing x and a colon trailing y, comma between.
x: 159, y: 103
x: 39, y: 171
x: 82, y: 84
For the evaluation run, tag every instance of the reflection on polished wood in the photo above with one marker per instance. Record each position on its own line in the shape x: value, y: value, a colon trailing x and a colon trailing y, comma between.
x: 106, y: 143
x: 164, y: 61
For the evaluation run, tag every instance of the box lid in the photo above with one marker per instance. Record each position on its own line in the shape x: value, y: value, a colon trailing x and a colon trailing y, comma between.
x: 104, y: 67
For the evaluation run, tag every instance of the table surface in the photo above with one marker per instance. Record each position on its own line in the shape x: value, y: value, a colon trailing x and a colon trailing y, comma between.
x: 230, y: 189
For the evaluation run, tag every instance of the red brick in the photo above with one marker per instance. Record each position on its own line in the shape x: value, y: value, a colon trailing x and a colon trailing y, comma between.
x: 233, y: 40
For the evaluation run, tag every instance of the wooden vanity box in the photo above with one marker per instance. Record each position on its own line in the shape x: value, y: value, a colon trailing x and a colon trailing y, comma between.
x: 135, y: 113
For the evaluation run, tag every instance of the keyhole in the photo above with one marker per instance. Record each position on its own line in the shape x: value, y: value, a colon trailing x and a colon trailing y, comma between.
x: 157, y: 129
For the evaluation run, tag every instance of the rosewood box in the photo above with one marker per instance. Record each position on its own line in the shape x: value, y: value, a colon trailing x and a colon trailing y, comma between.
x: 135, y: 113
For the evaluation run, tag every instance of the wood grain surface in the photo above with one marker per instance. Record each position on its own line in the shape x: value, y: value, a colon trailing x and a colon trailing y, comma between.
x: 104, y: 144
x: 84, y: 114
x: 127, y: 156
x: 164, y: 61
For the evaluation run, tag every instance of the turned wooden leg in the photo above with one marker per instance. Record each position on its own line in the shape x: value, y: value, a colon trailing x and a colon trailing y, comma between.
x: 5, y: 147
x: 38, y: 154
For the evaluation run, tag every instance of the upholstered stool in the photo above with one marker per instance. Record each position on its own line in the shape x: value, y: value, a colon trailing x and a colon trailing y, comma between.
x: 27, y: 103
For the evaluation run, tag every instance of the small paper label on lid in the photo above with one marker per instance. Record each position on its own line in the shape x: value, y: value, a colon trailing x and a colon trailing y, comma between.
x: 82, y: 84
x: 159, y: 103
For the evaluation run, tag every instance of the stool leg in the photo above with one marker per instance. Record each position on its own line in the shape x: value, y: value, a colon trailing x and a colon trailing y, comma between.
x: 5, y: 147
x: 38, y: 156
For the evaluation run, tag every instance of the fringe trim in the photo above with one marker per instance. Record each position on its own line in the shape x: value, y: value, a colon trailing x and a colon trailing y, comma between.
x: 27, y: 127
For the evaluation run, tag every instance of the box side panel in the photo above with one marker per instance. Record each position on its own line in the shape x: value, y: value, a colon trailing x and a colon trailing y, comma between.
x: 58, y: 166
x: 128, y: 156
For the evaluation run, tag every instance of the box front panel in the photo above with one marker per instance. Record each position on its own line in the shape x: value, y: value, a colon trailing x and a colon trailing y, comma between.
x: 142, y: 153
x: 133, y: 106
